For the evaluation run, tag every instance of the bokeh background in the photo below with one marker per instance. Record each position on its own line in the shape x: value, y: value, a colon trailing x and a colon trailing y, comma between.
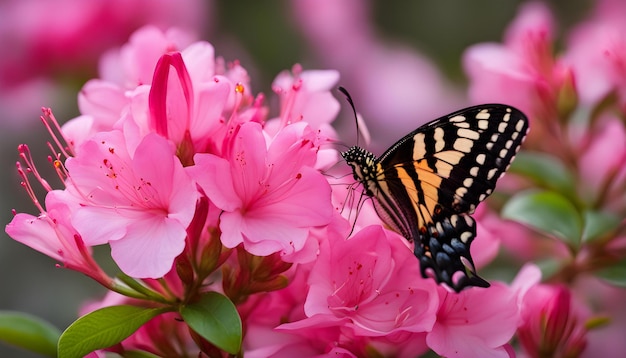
x: 410, y: 73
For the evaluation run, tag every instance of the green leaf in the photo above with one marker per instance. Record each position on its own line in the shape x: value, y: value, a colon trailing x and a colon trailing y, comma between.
x: 547, y: 212
x: 215, y: 318
x: 598, y: 224
x: 615, y: 274
x: 545, y: 170
x: 29, y: 332
x: 103, y: 328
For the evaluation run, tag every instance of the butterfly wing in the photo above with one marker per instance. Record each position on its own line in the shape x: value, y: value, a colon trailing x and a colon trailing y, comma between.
x: 431, y: 180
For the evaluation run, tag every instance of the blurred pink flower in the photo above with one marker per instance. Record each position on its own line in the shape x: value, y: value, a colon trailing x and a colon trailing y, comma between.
x: 597, y: 53
x: 486, y: 245
x: 261, y: 187
x: 370, y: 283
x: 552, y: 326
x: 522, y: 71
x: 414, y: 91
x: 603, y: 162
x: 141, y: 198
x: 47, y: 37
x: 306, y: 96
x: 608, y: 303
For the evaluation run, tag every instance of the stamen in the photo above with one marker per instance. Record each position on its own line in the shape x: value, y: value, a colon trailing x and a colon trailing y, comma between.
x: 53, y: 127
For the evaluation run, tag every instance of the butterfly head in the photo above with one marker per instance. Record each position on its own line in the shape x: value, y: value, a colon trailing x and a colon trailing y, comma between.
x: 362, y: 162
x: 364, y: 166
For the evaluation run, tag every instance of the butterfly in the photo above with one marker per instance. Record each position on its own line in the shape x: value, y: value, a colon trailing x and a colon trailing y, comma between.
x: 427, y: 185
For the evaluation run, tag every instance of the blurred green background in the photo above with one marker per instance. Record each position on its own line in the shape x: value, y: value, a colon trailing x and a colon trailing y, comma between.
x: 266, y: 39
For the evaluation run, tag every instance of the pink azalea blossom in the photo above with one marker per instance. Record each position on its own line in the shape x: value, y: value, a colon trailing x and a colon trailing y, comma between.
x: 52, y: 234
x: 597, y: 53
x: 602, y: 165
x: 480, y: 322
x: 370, y: 283
x: 47, y: 37
x: 475, y: 322
x: 168, y: 85
x: 306, y: 96
x: 522, y: 71
x: 486, y: 245
x: 395, y: 87
x: 270, y: 195
x: 140, y: 197
x: 608, y: 302
x: 551, y: 325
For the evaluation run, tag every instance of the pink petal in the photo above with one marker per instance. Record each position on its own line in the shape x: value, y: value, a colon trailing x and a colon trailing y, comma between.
x: 213, y: 174
x: 150, y: 246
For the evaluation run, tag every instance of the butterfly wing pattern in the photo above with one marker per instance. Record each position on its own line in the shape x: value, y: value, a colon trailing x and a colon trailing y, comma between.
x: 427, y: 185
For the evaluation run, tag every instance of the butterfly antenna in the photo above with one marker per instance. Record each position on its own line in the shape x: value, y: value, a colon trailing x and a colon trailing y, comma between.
x: 349, y: 99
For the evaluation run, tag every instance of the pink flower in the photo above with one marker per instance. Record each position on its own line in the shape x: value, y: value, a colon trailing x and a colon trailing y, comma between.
x: 394, y: 87
x: 139, y: 200
x: 306, y: 96
x: 195, y: 107
x: 522, y: 71
x: 603, y: 162
x: 479, y: 322
x: 52, y: 234
x: 370, y: 283
x: 187, y: 96
x: 551, y: 326
x: 46, y: 37
x: 270, y: 195
x: 597, y: 53
x: 487, y: 243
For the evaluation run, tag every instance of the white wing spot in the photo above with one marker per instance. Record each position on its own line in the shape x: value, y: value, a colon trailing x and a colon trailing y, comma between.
x: 465, y: 236
x: 491, y: 173
x: 502, y: 127
x: 503, y: 153
x: 463, y: 145
x: 480, y: 158
x: 474, y: 171
x: 484, y: 114
x: 468, y: 182
x: 467, y: 133
x: 440, y: 143
x: 439, y: 227
x: 483, y: 124
x: 519, y: 125
x: 419, y: 148
x: 458, y: 118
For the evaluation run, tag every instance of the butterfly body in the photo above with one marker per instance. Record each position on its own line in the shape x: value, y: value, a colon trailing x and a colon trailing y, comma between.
x: 427, y: 185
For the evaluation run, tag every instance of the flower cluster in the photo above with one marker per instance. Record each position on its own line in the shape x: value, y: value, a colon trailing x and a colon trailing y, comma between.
x: 231, y: 237
x: 571, y: 198
x: 197, y: 188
